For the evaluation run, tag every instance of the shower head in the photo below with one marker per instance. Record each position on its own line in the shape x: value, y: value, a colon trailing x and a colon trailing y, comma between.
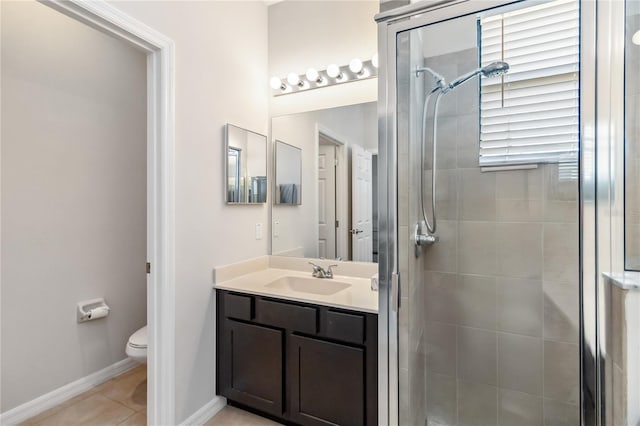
x: 494, y: 69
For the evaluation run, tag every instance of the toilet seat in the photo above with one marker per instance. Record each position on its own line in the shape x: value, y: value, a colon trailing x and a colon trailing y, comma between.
x: 137, y: 345
x: 139, y: 339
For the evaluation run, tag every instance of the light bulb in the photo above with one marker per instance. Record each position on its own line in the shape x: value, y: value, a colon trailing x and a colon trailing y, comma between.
x: 276, y: 83
x: 334, y: 71
x: 636, y: 38
x: 313, y: 76
x: 293, y: 79
x: 374, y: 60
x: 355, y: 66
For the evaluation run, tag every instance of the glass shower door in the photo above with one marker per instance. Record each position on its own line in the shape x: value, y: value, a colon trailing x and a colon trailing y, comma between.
x: 489, y: 314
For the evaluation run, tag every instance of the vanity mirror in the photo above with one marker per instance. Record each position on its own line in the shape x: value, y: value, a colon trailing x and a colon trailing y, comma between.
x: 288, y: 172
x: 632, y: 136
x: 245, y: 166
x: 337, y: 149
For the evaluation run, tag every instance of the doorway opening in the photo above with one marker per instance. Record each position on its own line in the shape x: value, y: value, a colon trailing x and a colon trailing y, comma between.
x: 328, y: 183
x: 160, y: 234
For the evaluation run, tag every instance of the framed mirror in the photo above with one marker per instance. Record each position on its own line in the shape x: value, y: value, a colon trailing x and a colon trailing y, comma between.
x: 337, y: 159
x: 245, y: 166
x: 632, y: 136
x: 288, y: 172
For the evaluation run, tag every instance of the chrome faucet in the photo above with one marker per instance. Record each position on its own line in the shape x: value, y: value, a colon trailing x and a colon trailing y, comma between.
x: 320, y: 272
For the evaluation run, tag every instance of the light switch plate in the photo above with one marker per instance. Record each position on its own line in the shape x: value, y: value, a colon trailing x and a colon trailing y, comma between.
x: 258, y: 231
x: 276, y: 228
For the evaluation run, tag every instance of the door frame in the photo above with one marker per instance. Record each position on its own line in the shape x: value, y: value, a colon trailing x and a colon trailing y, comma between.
x: 160, y: 51
x: 419, y: 14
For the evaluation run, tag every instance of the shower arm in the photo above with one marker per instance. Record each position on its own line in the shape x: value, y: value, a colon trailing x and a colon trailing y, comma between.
x: 438, y: 78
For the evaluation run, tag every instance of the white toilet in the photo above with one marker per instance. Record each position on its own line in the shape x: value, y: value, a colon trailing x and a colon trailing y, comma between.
x: 137, y: 346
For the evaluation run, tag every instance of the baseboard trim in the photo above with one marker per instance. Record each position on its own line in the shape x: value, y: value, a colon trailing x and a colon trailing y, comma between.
x: 36, y: 406
x: 206, y: 412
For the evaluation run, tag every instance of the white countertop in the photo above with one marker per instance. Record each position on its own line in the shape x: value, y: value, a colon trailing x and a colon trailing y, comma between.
x: 628, y: 280
x: 357, y: 297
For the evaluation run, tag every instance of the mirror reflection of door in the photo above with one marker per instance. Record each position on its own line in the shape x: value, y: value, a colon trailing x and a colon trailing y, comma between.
x: 234, y: 187
x: 327, y: 225
x: 323, y: 226
x: 362, y: 203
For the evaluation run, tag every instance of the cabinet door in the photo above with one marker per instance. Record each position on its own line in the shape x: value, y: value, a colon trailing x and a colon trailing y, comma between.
x: 253, y: 366
x: 326, y: 382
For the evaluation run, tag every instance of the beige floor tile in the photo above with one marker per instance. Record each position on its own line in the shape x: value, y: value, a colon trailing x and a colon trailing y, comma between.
x: 231, y: 416
x: 140, y: 368
x: 36, y: 419
x: 129, y: 388
x: 101, y: 387
x: 138, y: 419
x: 96, y: 410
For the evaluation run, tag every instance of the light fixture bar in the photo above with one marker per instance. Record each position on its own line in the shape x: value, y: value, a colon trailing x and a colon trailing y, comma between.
x: 316, y: 79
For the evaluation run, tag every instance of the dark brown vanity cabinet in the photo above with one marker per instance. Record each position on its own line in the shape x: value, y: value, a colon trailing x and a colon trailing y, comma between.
x: 254, y: 366
x: 302, y: 363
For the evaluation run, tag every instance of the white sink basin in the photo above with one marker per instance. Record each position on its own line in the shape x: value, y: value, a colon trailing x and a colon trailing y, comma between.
x: 321, y: 286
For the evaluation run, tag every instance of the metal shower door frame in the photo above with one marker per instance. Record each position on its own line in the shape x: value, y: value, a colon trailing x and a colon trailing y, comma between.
x: 416, y: 15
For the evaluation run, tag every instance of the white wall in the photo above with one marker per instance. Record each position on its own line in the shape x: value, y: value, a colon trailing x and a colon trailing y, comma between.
x: 221, y: 69
x: 73, y: 198
x: 305, y: 34
x: 354, y: 124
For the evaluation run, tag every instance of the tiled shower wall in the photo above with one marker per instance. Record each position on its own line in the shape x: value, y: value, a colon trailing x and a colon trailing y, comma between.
x: 489, y: 315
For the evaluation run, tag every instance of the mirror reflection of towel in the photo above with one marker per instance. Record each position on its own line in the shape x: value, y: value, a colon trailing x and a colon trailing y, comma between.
x: 289, y: 194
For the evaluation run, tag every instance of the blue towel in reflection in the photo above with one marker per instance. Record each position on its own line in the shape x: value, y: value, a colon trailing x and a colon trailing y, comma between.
x: 289, y: 193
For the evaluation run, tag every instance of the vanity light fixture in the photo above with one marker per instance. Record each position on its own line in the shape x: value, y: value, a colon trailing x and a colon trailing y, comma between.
x: 333, y: 71
x: 636, y: 38
x: 314, y: 76
x: 277, y: 84
x: 356, y: 67
x: 294, y: 80
x: 334, y: 74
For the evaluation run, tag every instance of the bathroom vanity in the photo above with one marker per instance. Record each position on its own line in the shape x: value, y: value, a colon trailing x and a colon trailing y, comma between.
x: 308, y: 362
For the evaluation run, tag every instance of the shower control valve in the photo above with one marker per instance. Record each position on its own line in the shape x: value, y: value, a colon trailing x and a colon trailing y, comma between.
x: 422, y: 240
x: 426, y: 239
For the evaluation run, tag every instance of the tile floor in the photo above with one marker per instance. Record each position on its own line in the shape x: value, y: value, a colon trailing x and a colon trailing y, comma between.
x: 122, y: 401
x: 119, y: 401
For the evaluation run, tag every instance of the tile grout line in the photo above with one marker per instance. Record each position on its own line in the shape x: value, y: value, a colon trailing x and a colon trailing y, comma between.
x: 84, y: 396
x: 63, y: 406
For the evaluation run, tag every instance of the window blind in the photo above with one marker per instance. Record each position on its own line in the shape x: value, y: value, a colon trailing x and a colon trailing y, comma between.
x: 531, y: 114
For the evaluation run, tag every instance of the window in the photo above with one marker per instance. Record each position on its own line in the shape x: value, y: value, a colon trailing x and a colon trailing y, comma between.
x: 531, y: 114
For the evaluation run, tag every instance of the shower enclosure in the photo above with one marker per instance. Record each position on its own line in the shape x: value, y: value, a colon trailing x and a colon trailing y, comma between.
x: 492, y: 313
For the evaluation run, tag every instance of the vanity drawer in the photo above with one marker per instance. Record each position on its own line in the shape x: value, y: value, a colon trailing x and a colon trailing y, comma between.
x: 237, y: 306
x: 286, y: 315
x: 344, y: 326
